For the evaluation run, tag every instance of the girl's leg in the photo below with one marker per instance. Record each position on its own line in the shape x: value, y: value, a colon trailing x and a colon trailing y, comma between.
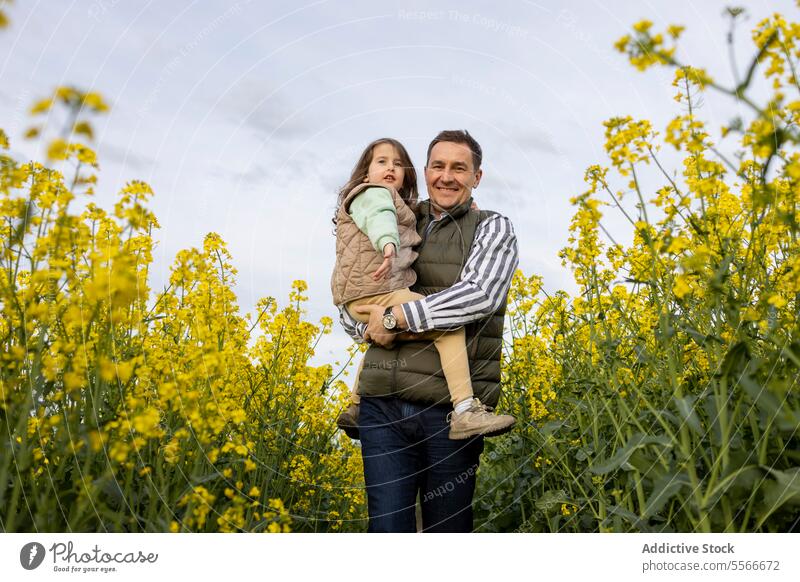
x: 452, y: 348
x: 450, y: 344
x: 385, y: 300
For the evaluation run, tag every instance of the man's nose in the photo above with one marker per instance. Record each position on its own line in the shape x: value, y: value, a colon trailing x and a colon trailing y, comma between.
x: 447, y: 175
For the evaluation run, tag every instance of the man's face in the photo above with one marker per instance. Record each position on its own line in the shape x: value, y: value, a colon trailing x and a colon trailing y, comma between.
x: 450, y: 174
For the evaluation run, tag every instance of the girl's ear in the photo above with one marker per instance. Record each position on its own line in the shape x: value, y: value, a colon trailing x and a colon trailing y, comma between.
x: 366, y: 179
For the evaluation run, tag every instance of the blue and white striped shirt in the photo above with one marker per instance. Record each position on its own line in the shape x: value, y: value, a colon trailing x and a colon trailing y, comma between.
x: 481, y: 289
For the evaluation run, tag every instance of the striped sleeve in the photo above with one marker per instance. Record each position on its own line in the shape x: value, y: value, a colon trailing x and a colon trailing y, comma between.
x: 354, y: 328
x: 482, y: 287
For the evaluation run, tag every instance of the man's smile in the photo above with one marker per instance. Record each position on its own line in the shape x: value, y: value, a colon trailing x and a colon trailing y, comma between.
x: 447, y: 188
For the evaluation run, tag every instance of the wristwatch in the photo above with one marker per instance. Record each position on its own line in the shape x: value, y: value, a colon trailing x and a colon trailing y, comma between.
x: 389, y: 320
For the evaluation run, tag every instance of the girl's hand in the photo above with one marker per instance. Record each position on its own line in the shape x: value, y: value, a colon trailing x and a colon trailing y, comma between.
x: 386, y: 266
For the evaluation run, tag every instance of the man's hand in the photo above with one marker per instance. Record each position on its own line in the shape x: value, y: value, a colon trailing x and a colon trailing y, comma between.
x: 375, y: 331
x: 386, y: 266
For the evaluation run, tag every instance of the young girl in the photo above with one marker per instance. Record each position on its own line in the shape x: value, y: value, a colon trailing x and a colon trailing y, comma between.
x: 375, y: 233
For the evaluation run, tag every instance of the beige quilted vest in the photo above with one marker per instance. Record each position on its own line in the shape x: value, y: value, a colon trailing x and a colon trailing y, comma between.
x: 357, y: 259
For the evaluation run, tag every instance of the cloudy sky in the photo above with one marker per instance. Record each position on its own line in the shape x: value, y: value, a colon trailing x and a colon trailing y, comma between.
x: 246, y: 116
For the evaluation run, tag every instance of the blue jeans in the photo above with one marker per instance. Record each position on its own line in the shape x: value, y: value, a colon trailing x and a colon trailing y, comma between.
x: 406, y: 451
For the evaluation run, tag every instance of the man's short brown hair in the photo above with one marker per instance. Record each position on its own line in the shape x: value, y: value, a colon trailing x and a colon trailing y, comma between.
x: 459, y: 136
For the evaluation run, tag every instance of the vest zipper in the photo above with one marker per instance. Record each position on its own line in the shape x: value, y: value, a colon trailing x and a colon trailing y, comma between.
x: 429, y: 228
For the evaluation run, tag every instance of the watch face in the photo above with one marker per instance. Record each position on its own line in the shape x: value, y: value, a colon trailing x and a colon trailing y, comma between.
x: 389, y: 321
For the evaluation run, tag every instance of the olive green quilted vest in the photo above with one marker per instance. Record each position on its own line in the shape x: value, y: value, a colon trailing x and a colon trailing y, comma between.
x: 412, y: 370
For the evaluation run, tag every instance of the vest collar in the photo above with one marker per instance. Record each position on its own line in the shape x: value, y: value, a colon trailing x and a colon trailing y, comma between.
x: 456, y: 212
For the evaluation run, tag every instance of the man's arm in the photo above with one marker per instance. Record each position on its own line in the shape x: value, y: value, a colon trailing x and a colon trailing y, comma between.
x: 482, y: 287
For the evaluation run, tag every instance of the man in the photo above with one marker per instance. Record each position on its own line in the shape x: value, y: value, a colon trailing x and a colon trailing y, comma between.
x: 464, y: 269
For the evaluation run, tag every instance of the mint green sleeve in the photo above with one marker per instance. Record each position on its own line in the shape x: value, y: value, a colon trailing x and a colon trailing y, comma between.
x: 374, y: 213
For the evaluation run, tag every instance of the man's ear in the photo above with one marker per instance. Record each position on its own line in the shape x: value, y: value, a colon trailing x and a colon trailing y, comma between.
x: 478, y: 176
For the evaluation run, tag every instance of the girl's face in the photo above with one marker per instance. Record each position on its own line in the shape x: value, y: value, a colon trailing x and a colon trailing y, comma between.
x: 386, y: 167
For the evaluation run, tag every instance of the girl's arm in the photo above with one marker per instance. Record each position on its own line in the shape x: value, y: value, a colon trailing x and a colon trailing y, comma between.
x: 374, y: 213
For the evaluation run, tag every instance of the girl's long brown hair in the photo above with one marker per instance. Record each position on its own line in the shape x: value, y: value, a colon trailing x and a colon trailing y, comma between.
x: 408, y: 191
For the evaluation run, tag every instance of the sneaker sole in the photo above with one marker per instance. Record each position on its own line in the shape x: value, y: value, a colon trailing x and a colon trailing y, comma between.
x: 460, y: 435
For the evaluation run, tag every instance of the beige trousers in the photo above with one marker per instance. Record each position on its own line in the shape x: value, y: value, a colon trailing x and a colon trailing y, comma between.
x: 450, y: 344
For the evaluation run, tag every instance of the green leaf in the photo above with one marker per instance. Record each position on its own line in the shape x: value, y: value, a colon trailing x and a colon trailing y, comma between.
x: 629, y: 516
x: 642, y: 355
x: 712, y: 413
x: 775, y: 408
x: 735, y: 359
x: 551, y: 427
x: 686, y: 408
x: 622, y: 455
x: 743, y: 477
x: 649, y: 467
x: 789, y: 352
x: 662, y: 413
x: 784, y: 489
x: 551, y: 500
x: 664, y: 489
x: 721, y: 274
x: 110, y: 490
x: 701, y: 338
